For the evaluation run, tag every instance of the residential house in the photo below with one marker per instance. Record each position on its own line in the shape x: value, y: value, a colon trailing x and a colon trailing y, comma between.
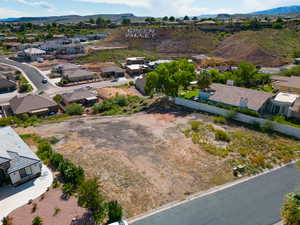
x: 80, y: 96
x: 63, y: 67
x: 155, y: 64
x: 33, y: 105
x: 199, y: 58
x: 79, y: 75
x: 70, y: 49
x: 7, y: 85
x: 34, y: 53
x: 112, y: 71
x: 286, y: 84
x: 238, y: 97
x: 286, y: 104
x: 135, y: 60
x: 18, y: 163
x: 136, y: 69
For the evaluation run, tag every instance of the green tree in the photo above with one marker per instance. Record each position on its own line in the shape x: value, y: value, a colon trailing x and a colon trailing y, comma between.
x: 89, y: 195
x: 126, y: 22
x: 245, y: 74
x: 172, y: 18
x: 290, y: 211
x: 195, y: 18
x: 74, y: 109
x: 165, y: 18
x: 92, y: 21
x: 115, y: 212
x: 37, y: 221
x: 186, y: 18
x: 168, y: 78
x: 204, y: 79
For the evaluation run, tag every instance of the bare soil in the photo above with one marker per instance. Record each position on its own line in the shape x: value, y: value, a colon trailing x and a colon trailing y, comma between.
x: 142, y: 160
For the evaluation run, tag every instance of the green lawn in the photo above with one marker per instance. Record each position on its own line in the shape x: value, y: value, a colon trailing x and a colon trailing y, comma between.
x: 116, y: 55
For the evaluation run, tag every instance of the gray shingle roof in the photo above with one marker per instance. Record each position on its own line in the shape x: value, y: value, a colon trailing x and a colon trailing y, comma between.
x: 109, y: 69
x: 14, y: 149
x: 26, y: 104
x: 77, y: 95
x: 232, y: 95
x: 78, y: 73
x: 5, y: 83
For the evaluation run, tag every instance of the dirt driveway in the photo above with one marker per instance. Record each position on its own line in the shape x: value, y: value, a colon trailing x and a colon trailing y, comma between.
x: 143, y: 160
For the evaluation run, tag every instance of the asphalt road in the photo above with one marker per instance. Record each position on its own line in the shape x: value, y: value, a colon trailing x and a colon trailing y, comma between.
x: 35, y: 76
x: 254, y: 202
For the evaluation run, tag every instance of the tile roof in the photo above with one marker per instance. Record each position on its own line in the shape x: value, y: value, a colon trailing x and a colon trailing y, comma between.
x: 292, y: 82
x: 232, y: 95
x: 14, y: 149
x: 29, y: 103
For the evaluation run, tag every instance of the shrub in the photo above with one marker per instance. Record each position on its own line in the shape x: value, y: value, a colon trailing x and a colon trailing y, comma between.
x: 56, y: 159
x: 221, y: 135
x: 89, y: 195
x: 34, y: 207
x: 71, y: 173
x: 74, y: 109
x: 115, y: 212
x: 37, y: 221
x: 195, y: 125
x: 220, y: 119
x: 291, y: 209
x: 7, y: 221
x: 68, y: 190
x: 231, y: 114
x: 56, y: 211
x: 57, y: 98
x: 55, y: 183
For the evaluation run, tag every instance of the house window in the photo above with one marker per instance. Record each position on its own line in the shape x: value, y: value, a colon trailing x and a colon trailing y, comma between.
x: 22, y: 173
x: 25, y: 172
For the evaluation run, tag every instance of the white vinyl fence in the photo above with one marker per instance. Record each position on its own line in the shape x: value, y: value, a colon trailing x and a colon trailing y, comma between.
x: 280, y: 128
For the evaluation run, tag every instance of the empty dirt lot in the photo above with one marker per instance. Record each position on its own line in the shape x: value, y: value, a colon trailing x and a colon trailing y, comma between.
x: 143, y: 160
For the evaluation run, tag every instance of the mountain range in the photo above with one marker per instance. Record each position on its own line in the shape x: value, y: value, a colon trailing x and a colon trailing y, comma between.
x: 132, y: 17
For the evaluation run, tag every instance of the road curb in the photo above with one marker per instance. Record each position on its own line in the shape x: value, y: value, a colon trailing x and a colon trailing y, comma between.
x: 204, y: 193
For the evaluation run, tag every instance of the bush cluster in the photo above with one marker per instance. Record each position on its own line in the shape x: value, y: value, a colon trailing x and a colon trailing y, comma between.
x: 120, y: 104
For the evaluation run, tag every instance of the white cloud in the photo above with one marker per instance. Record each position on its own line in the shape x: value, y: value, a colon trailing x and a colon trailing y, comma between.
x: 42, y: 4
x: 5, y: 13
x: 134, y: 3
x: 165, y: 7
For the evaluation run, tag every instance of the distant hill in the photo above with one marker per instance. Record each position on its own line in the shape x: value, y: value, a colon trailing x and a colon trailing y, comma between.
x: 279, y: 10
x: 73, y: 18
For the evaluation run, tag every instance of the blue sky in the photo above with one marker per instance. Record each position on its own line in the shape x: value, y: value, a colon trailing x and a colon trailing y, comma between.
x: 17, y: 8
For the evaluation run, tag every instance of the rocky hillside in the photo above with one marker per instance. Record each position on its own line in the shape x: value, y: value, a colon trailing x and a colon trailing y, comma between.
x: 267, y: 47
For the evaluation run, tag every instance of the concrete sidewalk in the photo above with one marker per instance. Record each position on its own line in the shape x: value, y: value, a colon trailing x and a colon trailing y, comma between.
x: 12, y: 198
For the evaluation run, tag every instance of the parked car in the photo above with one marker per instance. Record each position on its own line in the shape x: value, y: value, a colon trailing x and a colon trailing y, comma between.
x: 44, y: 81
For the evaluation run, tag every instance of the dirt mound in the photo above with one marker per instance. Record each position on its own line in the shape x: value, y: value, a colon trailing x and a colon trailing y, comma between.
x: 246, y: 49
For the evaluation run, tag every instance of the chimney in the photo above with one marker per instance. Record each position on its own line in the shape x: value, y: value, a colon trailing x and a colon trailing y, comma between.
x: 244, y: 102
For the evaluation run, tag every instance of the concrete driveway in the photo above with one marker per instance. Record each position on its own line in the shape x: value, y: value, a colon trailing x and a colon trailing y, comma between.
x: 15, y: 197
